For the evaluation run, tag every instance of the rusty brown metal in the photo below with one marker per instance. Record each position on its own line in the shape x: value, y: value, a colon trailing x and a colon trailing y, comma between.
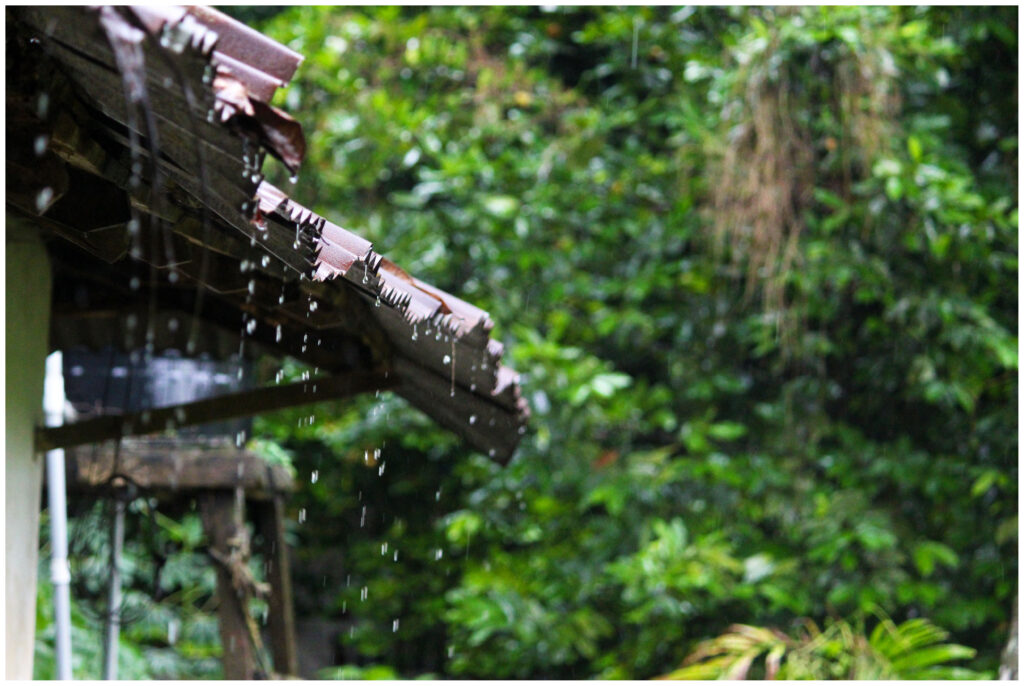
x: 439, y: 346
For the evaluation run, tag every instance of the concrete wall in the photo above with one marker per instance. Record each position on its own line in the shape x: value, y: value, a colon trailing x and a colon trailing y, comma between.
x: 28, y: 319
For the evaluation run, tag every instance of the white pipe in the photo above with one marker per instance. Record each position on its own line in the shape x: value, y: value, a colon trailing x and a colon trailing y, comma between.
x: 113, y: 625
x: 60, y: 573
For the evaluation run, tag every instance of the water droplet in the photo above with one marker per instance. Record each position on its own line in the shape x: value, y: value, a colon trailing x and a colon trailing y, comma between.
x: 134, y: 283
x: 43, y: 198
x: 437, y: 495
x: 314, y: 477
x: 180, y: 415
x: 43, y: 105
x: 491, y: 452
x: 250, y: 326
x: 396, y: 556
x: 438, y: 554
x: 384, y: 548
x: 362, y: 518
x: 302, y: 515
x: 451, y: 651
x: 172, y: 276
x: 265, y: 260
x: 240, y: 440
x: 252, y: 286
x: 39, y: 145
x: 447, y: 360
x: 312, y: 305
x: 394, y: 626
x: 277, y: 334
x: 472, y: 419
x: 172, y: 324
x: 414, y: 335
x: 364, y: 593
x: 380, y: 470
x: 293, y: 179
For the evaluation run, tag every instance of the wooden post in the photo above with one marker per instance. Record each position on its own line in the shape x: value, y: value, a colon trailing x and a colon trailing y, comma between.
x: 281, y: 620
x: 223, y: 519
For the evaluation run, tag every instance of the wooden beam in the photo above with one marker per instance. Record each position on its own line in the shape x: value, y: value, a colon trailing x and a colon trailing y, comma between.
x: 281, y: 616
x: 222, y: 513
x: 228, y: 406
x: 169, y: 469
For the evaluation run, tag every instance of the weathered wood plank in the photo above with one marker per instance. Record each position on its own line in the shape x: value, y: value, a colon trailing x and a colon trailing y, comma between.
x: 222, y: 513
x: 168, y: 467
x: 228, y: 406
x: 281, y: 617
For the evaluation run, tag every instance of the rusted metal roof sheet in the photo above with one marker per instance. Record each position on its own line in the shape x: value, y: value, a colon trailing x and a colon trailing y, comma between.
x: 207, y: 81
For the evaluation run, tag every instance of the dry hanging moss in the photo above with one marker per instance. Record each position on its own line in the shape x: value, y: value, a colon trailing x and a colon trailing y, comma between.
x: 763, y: 178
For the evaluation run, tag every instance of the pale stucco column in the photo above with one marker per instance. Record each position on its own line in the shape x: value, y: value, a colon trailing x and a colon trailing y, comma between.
x: 28, y: 286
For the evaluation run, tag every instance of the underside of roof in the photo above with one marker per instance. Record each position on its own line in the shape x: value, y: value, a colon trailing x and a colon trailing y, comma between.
x: 136, y: 139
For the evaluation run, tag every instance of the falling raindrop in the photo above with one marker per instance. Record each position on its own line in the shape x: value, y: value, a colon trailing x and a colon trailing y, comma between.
x: 362, y: 518
x: 43, y: 105
x: 447, y: 360
x: 293, y: 179
x: 134, y: 283
x: 277, y: 334
x: 252, y: 286
x: 364, y: 593
x: 240, y: 439
x: 302, y: 515
x: 438, y: 554
x: 265, y: 260
x: 43, y: 198
x: 437, y: 495
x: 472, y: 419
x: 384, y: 548
x: 312, y: 305
x: 396, y: 556
x: 250, y: 326
x: 314, y: 477
x: 394, y: 626
x: 39, y: 145
x: 380, y: 470
x: 414, y: 335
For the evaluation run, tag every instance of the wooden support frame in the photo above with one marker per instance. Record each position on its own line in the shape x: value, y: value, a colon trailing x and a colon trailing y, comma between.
x: 281, y: 616
x: 223, y: 518
x: 228, y: 406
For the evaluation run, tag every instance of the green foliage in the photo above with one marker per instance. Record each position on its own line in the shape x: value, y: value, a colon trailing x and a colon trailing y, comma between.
x: 913, y: 650
x: 699, y: 455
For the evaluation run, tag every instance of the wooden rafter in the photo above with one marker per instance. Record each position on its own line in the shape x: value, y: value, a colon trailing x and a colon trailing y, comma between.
x: 220, y: 408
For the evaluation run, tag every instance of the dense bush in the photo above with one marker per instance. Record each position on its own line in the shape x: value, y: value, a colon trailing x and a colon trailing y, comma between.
x: 758, y: 269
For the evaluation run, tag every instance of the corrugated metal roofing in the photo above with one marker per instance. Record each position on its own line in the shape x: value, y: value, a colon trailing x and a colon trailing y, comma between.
x: 207, y: 81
